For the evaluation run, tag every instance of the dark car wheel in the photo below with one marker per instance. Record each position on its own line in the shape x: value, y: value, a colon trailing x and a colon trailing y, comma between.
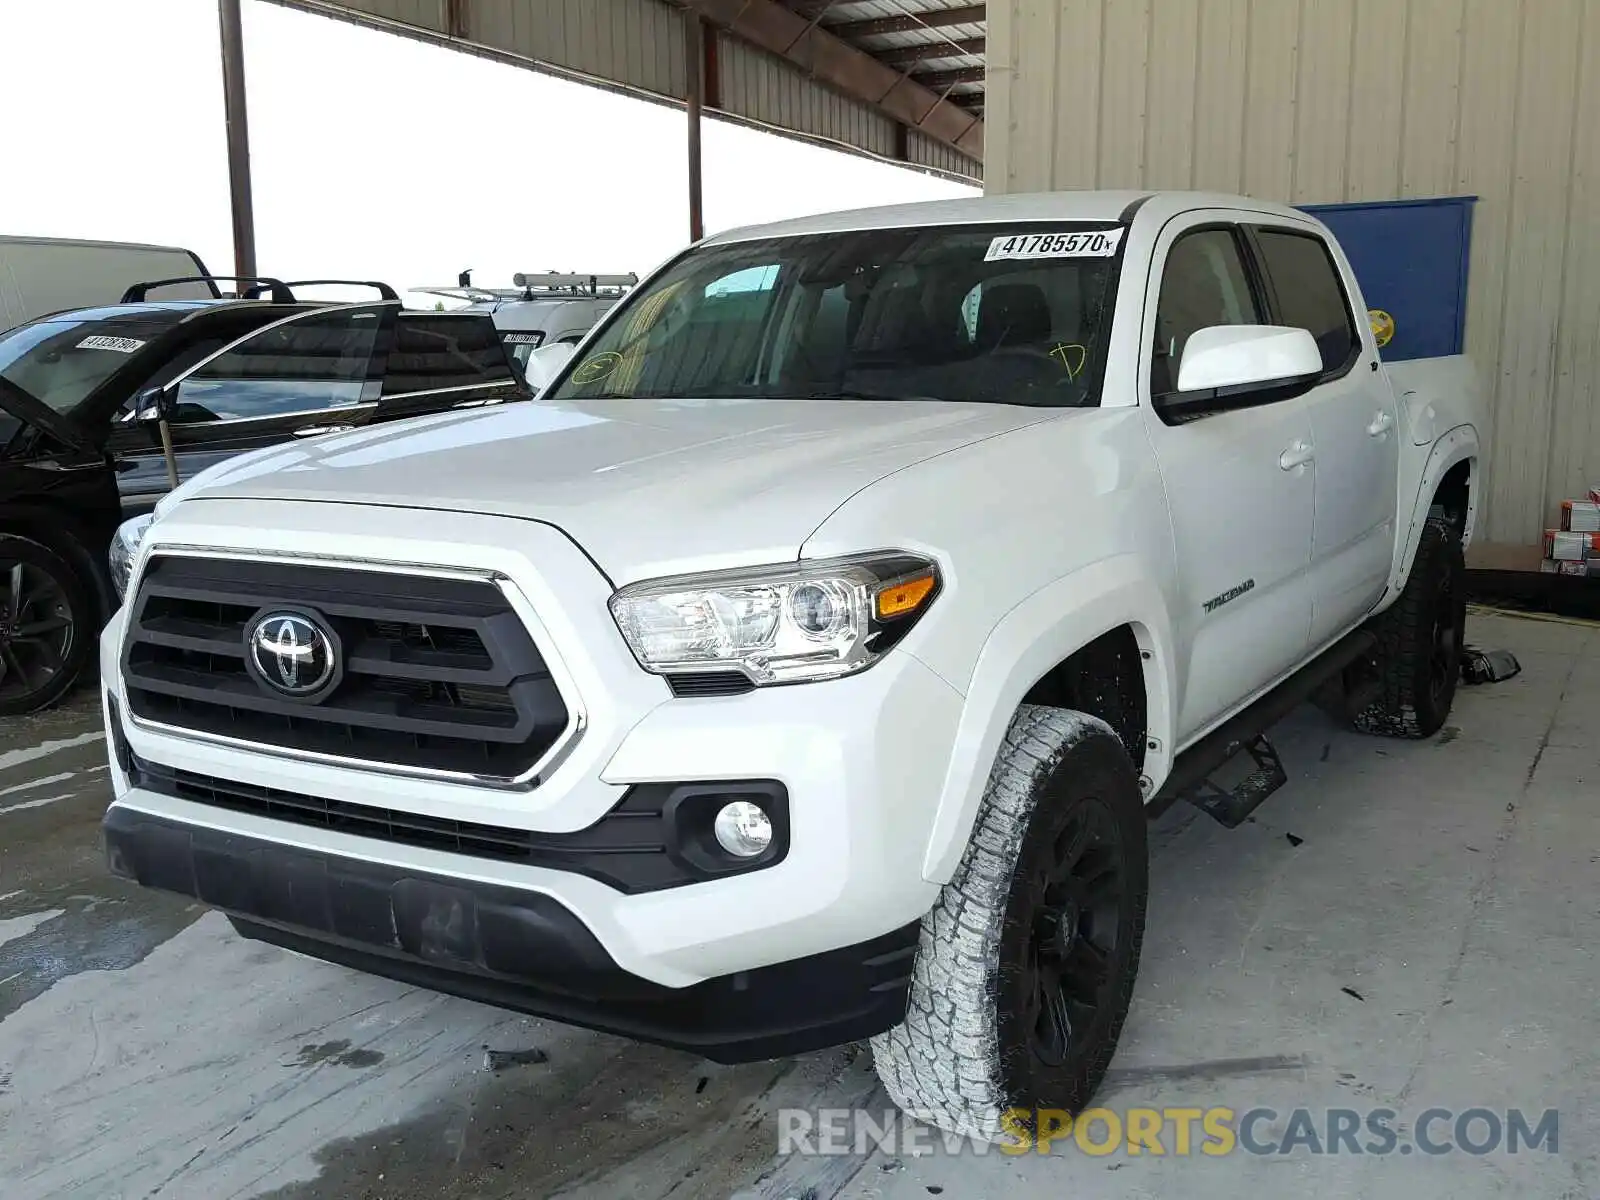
x: 1027, y: 963
x: 46, y: 626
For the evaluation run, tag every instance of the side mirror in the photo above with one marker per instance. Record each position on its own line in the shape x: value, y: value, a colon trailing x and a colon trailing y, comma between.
x: 152, y: 405
x: 545, y: 363
x: 1233, y: 366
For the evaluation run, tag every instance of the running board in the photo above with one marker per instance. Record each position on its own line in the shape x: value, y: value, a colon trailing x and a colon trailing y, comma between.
x: 1230, y: 806
x: 1242, y: 731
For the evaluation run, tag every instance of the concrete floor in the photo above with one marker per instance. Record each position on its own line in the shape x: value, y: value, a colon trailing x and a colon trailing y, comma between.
x: 1404, y: 926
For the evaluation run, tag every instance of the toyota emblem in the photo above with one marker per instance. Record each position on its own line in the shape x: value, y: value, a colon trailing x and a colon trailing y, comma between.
x: 291, y: 653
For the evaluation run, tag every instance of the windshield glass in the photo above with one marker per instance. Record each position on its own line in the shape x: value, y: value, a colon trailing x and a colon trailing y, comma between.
x: 976, y: 314
x: 60, y: 360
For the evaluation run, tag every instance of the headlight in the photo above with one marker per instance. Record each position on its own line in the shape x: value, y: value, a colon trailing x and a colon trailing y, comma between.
x: 124, y: 548
x: 782, y: 624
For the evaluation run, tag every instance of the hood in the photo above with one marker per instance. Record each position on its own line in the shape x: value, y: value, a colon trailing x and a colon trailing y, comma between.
x: 645, y: 487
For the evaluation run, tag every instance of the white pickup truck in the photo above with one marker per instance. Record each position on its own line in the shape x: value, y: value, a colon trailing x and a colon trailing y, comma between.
x: 805, y: 664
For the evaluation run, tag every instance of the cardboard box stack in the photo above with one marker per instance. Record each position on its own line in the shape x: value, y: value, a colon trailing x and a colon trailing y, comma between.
x: 1574, y: 549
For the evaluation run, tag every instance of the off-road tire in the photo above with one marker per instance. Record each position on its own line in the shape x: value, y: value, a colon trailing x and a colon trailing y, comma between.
x: 965, y: 1055
x: 1418, y: 659
x: 43, y: 565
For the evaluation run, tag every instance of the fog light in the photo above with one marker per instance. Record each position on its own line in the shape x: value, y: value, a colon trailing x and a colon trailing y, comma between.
x: 743, y: 829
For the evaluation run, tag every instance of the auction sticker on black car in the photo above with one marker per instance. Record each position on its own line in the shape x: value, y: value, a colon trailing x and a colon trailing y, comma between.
x: 1098, y: 243
x: 99, y: 341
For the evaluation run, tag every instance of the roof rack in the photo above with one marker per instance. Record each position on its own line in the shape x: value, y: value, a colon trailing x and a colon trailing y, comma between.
x: 475, y: 294
x: 559, y: 281
x: 385, y: 292
x: 279, y: 290
x: 548, y: 285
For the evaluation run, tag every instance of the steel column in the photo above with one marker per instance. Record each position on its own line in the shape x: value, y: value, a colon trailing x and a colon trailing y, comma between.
x: 233, y: 98
x: 695, y: 54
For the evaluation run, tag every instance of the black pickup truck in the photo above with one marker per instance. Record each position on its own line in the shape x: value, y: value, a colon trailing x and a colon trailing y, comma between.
x: 91, y: 399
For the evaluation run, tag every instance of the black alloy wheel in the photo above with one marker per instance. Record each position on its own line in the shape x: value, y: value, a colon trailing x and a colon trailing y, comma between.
x: 46, y: 619
x: 1075, y: 933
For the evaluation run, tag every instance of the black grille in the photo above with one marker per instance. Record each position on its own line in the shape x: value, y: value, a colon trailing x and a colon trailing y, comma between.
x: 438, y: 673
x: 626, y: 849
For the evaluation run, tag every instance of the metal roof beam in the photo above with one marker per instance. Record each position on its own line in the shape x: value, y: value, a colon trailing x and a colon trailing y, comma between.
x: 939, y: 80
x: 901, y: 56
x: 936, y: 18
x: 830, y: 60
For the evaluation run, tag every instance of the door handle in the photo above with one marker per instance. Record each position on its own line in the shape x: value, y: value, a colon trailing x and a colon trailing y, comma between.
x: 1297, y: 455
x: 314, y: 430
x: 1381, y: 424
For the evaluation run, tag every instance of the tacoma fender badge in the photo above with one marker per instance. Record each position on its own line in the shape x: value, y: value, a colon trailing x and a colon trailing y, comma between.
x: 1232, y: 593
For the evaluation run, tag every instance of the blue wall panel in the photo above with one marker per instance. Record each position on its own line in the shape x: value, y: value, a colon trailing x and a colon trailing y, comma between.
x: 1410, y: 257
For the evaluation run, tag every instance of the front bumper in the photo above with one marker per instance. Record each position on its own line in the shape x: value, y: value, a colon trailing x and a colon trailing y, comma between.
x: 509, y: 947
x: 862, y: 761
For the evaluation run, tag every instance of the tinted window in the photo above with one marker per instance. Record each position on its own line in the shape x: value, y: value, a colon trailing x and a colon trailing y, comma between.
x: 61, y: 359
x: 974, y: 315
x: 1204, y: 284
x: 444, y: 350
x: 1309, y: 293
x: 310, y: 363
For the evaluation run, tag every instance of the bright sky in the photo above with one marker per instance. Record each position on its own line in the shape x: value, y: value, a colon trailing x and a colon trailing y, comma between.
x: 373, y: 156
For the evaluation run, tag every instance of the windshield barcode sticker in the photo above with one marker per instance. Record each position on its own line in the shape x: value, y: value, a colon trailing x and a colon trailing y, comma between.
x: 101, y: 342
x: 523, y: 339
x: 1100, y: 243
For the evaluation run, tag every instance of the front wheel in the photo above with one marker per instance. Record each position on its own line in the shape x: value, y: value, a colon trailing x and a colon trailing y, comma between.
x: 46, y: 626
x: 1026, y: 964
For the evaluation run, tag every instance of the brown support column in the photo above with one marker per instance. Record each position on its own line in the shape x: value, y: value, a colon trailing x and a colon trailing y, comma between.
x: 694, y: 38
x: 233, y: 97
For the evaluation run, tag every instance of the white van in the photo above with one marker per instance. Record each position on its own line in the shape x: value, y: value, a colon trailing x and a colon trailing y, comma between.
x: 46, y: 275
x: 544, y: 309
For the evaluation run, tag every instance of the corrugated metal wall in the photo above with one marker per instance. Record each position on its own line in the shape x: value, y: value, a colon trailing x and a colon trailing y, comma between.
x: 1327, y: 100
x: 639, y: 45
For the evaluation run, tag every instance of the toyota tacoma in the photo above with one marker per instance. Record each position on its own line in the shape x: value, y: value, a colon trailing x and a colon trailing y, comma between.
x: 804, y: 666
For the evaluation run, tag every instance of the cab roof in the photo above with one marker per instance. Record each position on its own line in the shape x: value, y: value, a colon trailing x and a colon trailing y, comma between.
x: 1101, y: 207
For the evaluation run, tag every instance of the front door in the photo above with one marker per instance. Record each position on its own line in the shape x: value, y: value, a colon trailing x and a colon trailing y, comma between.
x: 307, y: 374
x: 1353, y: 429
x: 1239, y: 484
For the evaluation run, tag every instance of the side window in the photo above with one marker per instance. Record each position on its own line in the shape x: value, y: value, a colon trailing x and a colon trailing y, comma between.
x: 1309, y: 292
x: 311, y: 363
x: 969, y: 310
x: 1203, y: 284
x: 436, y: 351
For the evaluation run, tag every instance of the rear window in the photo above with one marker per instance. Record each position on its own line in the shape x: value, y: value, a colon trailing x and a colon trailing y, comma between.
x: 434, y: 351
x: 1309, y: 293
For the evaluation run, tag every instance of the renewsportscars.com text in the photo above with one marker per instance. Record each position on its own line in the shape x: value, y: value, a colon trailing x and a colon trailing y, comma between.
x: 1183, y: 1132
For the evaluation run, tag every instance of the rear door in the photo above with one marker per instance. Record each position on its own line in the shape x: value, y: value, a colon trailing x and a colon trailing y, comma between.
x: 1353, y: 419
x: 436, y: 361
x: 308, y: 373
x: 1240, y: 484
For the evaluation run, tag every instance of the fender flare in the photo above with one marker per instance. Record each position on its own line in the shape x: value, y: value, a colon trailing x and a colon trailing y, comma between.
x: 1041, y: 631
x: 1456, y: 446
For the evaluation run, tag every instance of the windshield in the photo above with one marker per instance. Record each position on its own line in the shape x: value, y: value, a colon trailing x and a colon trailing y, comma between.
x: 977, y: 314
x: 59, y: 360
